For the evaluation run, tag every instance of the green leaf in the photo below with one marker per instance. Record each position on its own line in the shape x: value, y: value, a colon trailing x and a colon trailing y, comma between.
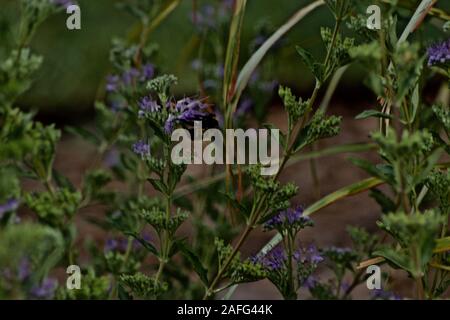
x: 194, y: 260
x: 62, y: 181
x: 270, y: 126
x: 373, y: 113
x: 147, y: 245
x: 315, y: 67
x: 158, y: 130
x: 386, y: 204
x: 236, y: 204
x: 158, y: 185
x: 380, y: 171
x: 122, y: 293
x: 397, y: 258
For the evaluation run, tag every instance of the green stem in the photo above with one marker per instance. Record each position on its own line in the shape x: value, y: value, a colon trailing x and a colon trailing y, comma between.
x: 228, y: 261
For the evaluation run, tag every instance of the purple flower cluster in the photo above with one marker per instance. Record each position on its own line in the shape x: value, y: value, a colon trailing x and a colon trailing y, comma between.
x: 129, y: 77
x: 10, y: 205
x: 147, y: 104
x: 141, y: 148
x: 189, y: 110
x: 309, y: 255
x: 385, y: 295
x: 311, y: 282
x: 274, y: 260
x: 46, y: 290
x: 209, y: 17
x: 439, y: 53
x: 288, y: 219
x: 205, y: 18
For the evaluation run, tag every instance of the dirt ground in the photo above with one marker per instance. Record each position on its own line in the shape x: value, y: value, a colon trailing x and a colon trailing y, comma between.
x: 75, y: 156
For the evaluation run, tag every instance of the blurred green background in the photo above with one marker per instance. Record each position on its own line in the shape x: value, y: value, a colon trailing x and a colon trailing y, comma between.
x: 76, y: 62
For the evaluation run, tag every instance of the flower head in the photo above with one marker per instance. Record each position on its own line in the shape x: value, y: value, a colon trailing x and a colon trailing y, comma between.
x: 170, y: 124
x: 110, y: 245
x: 288, y: 219
x: 314, y: 256
x: 273, y: 261
x: 112, y: 83
x: 439, y: 53
x: 130, y: 75
x: 24, y: 269
x: 381, y: 294
x: 46, y: 290
x: 187, y: 111
x: 141, y: 148
x: 147, y: 104
x: 147, y: 72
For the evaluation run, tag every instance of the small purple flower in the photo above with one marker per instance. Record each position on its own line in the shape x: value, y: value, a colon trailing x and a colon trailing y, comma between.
x: 24, y: 269
x: 385, y: 295
x: 147, y: 104
x: 170, y: 124
x: 439, y: 53
x: 188, y: 104
x: 10, y: 205
x: 137, y: 245
x: 310, y: 282
x: 338, y: 250
x: 259, y: 41
x: 130, y: 76
x: 205, y: 19
x: 244, y: 107
x: 63, y: 3
x: 268, y: 86
x: 220, y: 71
x: 147, y: 72
x: 141, y: 148
x: 46, y: 290
x: 196, y: 64
x: 314, y: 256
x: 290, y: 218
x: 274, y: 260
x: 123, y: 245
x: 110, y: 245
x: 112, y: 83
x: 187, y: 112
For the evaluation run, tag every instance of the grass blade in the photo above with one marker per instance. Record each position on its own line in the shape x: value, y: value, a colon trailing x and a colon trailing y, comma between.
x: 350, y: 190
x: 232, y: 54
x: 251, y: 65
